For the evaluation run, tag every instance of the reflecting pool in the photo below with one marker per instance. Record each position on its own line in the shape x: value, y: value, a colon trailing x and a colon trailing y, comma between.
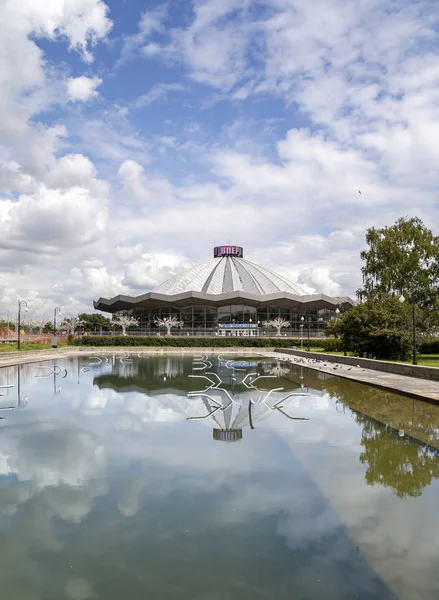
x: 213, y: 477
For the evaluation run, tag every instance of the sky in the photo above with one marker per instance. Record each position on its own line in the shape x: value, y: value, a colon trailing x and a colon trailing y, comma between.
x: 136, y: 135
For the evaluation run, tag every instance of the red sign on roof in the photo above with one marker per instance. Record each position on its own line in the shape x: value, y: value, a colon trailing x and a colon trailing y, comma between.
x: 220, y: 251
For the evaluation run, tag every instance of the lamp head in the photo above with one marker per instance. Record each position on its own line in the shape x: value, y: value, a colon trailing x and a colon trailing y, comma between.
x: 302, y: 318
x: 26, y: 309
x: 401, y: 299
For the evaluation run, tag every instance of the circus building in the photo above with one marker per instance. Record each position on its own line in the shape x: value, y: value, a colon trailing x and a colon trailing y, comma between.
x: 228, y: 295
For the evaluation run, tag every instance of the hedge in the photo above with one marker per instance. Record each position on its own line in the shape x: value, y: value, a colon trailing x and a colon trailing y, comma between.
x: 196, y: 342
x: 429, y: 347
x: 336, y: 345
x: 332, y: 345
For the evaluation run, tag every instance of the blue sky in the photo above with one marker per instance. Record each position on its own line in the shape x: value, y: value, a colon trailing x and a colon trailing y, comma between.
x: 135, y: 135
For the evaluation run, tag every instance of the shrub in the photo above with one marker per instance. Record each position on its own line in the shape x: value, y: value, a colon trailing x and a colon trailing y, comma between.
x: 196, y: 342
x: 429, y: 346
x: 332, y: 345
x: 379, y: 327
x: 389, y: 344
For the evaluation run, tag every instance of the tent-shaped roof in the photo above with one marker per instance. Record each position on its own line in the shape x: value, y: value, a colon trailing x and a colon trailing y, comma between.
x: 228, y: 274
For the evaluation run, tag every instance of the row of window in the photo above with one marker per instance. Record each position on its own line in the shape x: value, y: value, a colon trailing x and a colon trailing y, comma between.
x: 210, y: 317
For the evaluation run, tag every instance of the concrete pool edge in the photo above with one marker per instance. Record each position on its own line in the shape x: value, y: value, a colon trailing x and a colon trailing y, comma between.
x: 387, y: 366
x: 413, y: 387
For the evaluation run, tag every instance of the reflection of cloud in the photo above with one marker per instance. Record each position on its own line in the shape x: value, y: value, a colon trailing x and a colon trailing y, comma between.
x: 152, y: 409
x: 5, y: 465
x: 74, y: 504
x: 263, y: 484
x: 62, y: 463
x: 390, y: 533
x: 130, y: 503
x: 95, y: 402
x: 80, y: 589
x: 55, y: 456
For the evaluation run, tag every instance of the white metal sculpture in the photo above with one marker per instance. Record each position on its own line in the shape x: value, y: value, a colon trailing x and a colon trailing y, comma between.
x: 168, y: 323
x: 124, y: 322
x: 71, y: 324
x: 38, y: 323
x: 278, y: 323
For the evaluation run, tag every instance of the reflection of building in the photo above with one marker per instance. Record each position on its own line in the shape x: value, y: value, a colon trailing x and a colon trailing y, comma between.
x: 227, y: 295
x: 227, y: 436
x: 174, y: 388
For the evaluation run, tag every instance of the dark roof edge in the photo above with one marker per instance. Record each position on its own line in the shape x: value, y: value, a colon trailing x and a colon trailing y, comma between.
x: 218, y: 298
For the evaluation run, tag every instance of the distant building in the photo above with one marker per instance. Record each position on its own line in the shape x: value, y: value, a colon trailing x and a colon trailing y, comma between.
x: 228, y: 295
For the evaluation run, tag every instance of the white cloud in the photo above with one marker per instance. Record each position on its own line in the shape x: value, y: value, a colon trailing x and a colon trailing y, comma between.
x: 319, y: 279
x: 149, y: 23
x: 158, y: 91
x: 82, y: 22
x: 293, y: 109
x: 81, y: 89
x: 53, y: 219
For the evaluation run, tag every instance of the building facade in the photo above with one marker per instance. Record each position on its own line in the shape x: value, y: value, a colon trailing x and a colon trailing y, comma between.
x: 228, y: 295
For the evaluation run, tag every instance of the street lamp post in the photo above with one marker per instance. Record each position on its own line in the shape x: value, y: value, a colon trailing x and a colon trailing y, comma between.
x: 302, y: 318
x: 309, y: 327
x: 20, y: 304
x: 415, y: 352
x: 55, y: 338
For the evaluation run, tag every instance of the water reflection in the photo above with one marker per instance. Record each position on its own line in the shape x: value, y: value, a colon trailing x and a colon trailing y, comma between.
x: 235, y: 396
x: 400, y: 437
x: 107, y: 489
x: 393, y: 460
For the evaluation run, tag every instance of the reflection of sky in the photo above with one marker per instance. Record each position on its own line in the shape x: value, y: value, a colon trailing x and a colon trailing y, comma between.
x: 104, y: 494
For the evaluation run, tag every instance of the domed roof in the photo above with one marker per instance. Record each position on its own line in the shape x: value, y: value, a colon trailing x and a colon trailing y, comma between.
x: 228, y: 274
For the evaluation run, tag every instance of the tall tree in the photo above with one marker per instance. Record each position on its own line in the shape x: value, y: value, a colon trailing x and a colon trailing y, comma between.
x: 380, y: 326
x: 48, y: 327
x: 95, y: 322
x: 404, y: 260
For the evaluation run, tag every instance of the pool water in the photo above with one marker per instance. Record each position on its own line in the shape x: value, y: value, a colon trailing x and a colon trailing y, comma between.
x: 273, y: 481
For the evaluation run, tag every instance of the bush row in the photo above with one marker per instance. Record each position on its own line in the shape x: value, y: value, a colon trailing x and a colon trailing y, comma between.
x: 332, y: 345
x: 429, y: 347
x: 195, y: 342
x: 336, y: 345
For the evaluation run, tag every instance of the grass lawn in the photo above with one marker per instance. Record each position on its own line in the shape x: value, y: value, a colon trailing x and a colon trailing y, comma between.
x: 9, y: 347
x: 425, y: 360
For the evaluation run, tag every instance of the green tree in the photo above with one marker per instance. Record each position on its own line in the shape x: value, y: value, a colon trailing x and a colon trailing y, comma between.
x: 333, y: 327
x: 94, y: 322
x: 403, y: 260
x: 380, y: 326
x: 48, y: 327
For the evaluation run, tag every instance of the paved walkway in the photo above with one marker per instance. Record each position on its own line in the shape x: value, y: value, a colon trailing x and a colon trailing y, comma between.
x: 410, y: 386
